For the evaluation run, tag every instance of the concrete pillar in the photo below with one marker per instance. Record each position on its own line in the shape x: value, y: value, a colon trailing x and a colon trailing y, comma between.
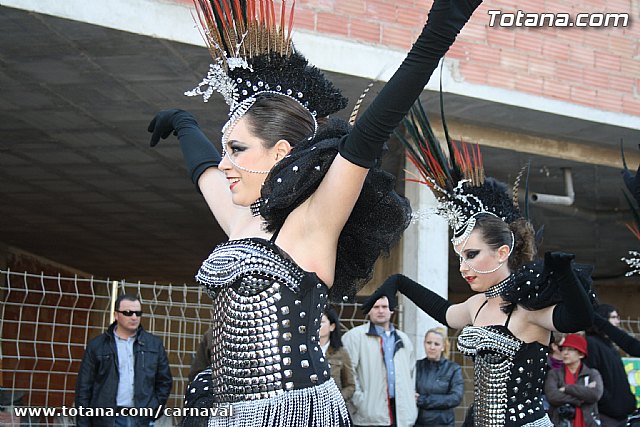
x: 425, y: 259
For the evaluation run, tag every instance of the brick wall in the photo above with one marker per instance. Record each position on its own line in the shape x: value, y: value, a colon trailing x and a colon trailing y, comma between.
x: 592, y: 67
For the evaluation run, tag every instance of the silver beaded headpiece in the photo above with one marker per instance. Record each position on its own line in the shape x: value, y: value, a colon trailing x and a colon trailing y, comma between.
x: 253, y: 55
x: 456, y: 175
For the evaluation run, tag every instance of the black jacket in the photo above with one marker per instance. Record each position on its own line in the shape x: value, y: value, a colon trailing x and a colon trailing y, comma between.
x: 617, y: 401
x: 97, y: 382
x: 440, y: 386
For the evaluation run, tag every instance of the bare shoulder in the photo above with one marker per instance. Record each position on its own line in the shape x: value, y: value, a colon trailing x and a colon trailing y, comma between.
x: 461, y: 314
x: 526, y: 325
x: 310, y: 247
x: 474, y: 302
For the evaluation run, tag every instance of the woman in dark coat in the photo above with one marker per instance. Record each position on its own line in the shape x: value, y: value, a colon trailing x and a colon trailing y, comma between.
x: 439, y: 383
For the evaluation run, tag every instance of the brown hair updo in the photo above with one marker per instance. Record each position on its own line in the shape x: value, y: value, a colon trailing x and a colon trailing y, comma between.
x: 495, y: 232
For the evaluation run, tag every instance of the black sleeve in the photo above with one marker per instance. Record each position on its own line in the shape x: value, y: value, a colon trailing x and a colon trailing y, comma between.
x: 199, y: 153
x: 625, y: 341
x: 428, y: 301
x: 84, y: 384
x: 364, y: 144
x: 164, y: 379
x: 575, y: 312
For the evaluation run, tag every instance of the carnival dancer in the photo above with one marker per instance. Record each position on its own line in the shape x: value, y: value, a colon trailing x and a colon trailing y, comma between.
x: 321, y: 211
x: 506, y: 326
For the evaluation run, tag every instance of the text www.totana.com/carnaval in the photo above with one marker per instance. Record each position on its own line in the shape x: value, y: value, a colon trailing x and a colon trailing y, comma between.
x: 222, y: 410
x: 584, y: 20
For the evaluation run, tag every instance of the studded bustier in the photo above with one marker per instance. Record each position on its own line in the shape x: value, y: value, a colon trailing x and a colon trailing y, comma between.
x: 266, y: 319
x: 508, y: 377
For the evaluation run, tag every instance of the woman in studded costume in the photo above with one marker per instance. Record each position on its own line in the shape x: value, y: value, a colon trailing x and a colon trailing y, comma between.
x: 321, y: 210
x: 506, y: 325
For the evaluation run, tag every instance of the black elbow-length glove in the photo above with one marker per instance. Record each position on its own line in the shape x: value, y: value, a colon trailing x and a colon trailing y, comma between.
x: 625, y: 341
x: 575, y: 312
x: 365, y: 142
x: 428, y: 301
x: 199, y: 153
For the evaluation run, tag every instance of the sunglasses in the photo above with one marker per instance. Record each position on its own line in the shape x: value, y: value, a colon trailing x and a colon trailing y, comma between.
x: 130, y: 313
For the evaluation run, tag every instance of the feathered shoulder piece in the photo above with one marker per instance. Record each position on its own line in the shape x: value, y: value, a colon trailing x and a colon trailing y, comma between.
x: 534, y: 287
x: 253, y: 54
x: 455, y: 173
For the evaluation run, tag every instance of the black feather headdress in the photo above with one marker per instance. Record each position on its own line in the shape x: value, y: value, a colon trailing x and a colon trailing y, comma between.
x: 456, y: 175
x: 253, y: 54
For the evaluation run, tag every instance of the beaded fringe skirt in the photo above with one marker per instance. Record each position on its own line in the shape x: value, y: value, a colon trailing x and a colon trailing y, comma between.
x: 318, y: 406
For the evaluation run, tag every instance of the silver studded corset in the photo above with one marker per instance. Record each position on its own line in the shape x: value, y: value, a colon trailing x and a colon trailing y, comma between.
x: 266, y: 320
x: 508, y: 377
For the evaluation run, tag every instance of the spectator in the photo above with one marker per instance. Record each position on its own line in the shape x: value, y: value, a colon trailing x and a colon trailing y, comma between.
x: 555, y: 353
x: 125, y: 367
x: 617, y: 401
x: 439, y: 383
x: 383, y: 361
x: 202, y: 358
x: 555, y: 361
x: 573, y: 391
x: 331, y: 344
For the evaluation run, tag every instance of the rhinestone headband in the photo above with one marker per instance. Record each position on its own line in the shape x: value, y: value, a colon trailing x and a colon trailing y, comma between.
x: 461, y: 208
x: 232, y: 91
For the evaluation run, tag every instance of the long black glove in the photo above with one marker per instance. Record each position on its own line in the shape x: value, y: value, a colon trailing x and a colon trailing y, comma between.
x: 199, y: 153
x: 364, y: 143
x: 575, y: 312
x: 428, y: 301
x: 625, y: 341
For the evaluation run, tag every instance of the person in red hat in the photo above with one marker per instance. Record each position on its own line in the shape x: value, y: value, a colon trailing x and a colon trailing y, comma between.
x: 573, y: 391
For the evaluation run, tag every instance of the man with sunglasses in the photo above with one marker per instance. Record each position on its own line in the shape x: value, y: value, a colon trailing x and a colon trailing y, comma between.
x: 125, y: 367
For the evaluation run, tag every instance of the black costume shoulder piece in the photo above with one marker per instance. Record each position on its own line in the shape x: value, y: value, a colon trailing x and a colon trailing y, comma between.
x: 376, y: 222
x: 534, y: 288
